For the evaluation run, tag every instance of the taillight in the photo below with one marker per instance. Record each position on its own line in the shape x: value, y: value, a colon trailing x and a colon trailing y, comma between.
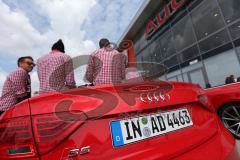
x: 205, y: 101
x: 16, y: 139
x: 51, y: 129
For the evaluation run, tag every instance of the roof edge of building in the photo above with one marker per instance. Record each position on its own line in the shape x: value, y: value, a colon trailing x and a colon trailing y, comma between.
x: 135, y: 18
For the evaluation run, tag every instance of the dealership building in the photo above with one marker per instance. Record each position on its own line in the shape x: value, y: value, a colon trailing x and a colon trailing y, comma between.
x: 197, y: 40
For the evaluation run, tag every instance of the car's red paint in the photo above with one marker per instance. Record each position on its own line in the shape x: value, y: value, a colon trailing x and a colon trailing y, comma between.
x: 52, y: 138
x: 224, y: 94
x: 226, y: 101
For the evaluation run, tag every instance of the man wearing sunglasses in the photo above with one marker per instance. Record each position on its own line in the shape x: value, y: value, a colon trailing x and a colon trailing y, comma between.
x: 17, y: 86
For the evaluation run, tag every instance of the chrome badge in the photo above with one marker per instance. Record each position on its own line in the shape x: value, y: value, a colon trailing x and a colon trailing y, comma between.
x: 154, y: 97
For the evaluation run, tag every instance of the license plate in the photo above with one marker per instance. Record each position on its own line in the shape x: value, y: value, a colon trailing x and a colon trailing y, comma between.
x: 140, y: 128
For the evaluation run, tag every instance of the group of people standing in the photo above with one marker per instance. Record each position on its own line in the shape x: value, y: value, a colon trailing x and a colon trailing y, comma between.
x: 56, y: 73
x: 231, y: 79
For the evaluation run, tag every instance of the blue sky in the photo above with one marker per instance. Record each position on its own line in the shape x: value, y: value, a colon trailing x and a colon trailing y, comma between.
x: 30, y: 27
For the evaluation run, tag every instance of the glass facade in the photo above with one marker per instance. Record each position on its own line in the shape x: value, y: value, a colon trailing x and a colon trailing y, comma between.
x: 199, y: 44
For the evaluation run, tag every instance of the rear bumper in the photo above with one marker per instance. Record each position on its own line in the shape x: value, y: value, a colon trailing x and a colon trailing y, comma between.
x: 212, y: 150
x: 234, y: 155
x: 220, y: 147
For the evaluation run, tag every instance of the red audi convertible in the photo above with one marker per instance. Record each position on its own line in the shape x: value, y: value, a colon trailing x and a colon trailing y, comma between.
x: 132, y: 121
x: 226, y: 100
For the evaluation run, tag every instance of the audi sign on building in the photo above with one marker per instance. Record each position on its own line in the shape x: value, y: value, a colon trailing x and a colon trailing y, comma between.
x: 197, y: 40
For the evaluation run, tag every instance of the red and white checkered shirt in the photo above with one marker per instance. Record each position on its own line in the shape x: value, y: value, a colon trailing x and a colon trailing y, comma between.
x: 15, y: 84
x: 55, y: 72
x: 106, y: 67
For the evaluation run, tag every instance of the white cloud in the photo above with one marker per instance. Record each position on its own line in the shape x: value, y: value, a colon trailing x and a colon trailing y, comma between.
x: 66, y: 18
x: 34, y: 82
x: 112, y: 18
x: 17, y: 34
x: 3, y: 76
x: 19, y: 37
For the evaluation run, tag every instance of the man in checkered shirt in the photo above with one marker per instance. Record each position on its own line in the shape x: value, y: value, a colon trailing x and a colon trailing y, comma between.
x: 55, y: 70
x: 105, y: 66
x: 17, y: 86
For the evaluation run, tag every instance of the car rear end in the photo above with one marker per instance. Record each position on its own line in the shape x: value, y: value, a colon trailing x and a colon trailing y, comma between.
x: 150, y: 120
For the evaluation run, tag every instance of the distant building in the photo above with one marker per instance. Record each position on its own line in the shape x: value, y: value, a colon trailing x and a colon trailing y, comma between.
x: 198, y: 40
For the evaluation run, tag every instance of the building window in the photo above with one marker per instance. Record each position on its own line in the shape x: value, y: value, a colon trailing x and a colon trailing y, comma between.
x: 230, y: 9
x: 220, y: 66
x: 137, y: 46
x: 158, y: 54
x: 145, y: 55
x: 162, y: 78
x: 171, y: 62
x: 140, y: 42
x: 186, y: 78
x: 214, y: 41
x: 207, y: 19
x: 166, y: 45
x: 155, y: 51
x: 138, y: 58
x: 238, y: 51
x: 194, y: 74
x: 189, y: 54
x: 183, y: 33
x: 235, y: 30
x: 174, y: 76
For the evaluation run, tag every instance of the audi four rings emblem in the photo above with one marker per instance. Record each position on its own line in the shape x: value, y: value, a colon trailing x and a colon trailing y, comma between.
x: 154, y: 97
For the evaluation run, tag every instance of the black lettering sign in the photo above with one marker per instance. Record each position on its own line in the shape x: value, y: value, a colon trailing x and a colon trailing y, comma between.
x: 129, y: 137
x: 136, y: 129
x: 154, y: 125
x: 161, y: 123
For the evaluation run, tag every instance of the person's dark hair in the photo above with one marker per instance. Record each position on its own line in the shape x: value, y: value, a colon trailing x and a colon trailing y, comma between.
x: 208, y: 85
x: 238, y: 79
x: 21, y: 59
x: 103, y: 42
x: 58, y: 46
x: 120, y: 50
